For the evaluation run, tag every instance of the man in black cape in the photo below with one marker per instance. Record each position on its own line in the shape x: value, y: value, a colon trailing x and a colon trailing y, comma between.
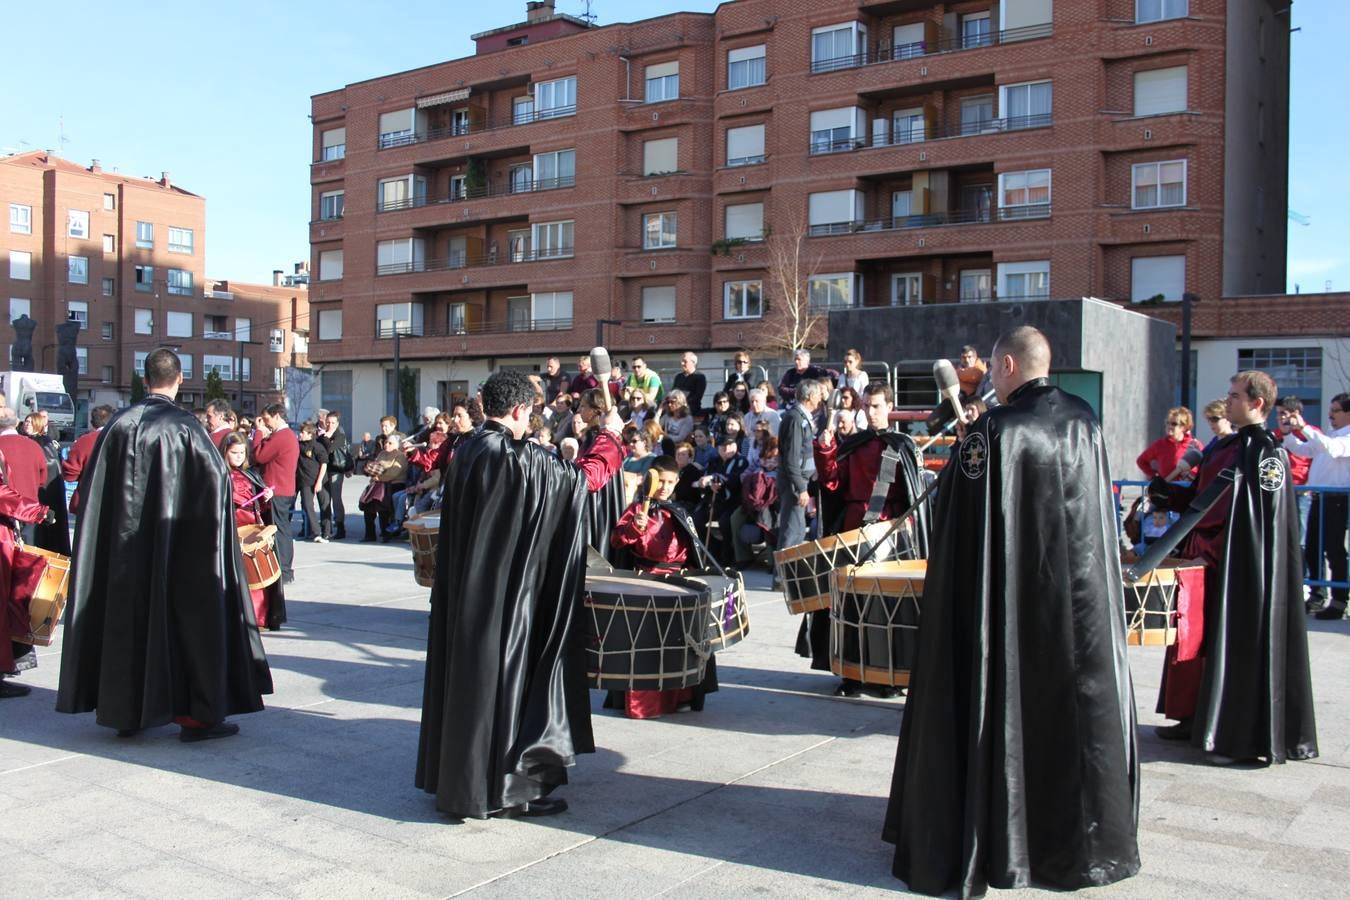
x: 1017, y: 759
x: 1255, y: 694
x: 160, y: 626
x: 505, y: 705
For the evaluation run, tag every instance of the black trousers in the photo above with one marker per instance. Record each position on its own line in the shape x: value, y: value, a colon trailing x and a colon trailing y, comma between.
x: 1326, y: 539
x: 334, y: 510
x: 308, y: 500
x: 281, y: 515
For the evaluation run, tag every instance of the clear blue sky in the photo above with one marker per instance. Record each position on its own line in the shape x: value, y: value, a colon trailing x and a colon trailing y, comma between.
x: 218, y: 94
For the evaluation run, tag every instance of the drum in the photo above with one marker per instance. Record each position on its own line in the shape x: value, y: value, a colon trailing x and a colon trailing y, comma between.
x: 874, y: 620
x: 424, y: 533
x: 647, y: 633
x: 50, y: 578
x: 1151, y: 603
x: 805, y: 569
x: 261, y: 566
x: 729, y: 621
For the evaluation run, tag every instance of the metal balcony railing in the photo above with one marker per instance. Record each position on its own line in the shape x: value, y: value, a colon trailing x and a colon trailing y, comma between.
x: 496, y: 326
x: 491, y: 189
x: 408, y: 138
x: 918, y: 135
x: 949, y: 44
x: 934, y: 220
x: 471, y: 262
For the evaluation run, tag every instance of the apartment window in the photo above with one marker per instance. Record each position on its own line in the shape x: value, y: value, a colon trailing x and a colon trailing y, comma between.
x: 77, y: 223
x: 243, y: 329
x: 1025, y: 105
x: 663, y: 82
x: 976, y: 30
x: 1160, y: 91
x: 77, y: 268
x: 518, y: 244
x: 658, y: 231
x: 1024, y: 195
x: 276, y: 340
x: 107, y: 374
x: 143, y: 322
x: 109, y: 244
x: 745, y: 145
x: 331, y: 204
x: 836, y: 47
x: 830, y: 291
x: 145, y: 278
x: 745, y: 67
x: 518, y: 313
x: 20, y: 265
x: 110, y: 201
x: 180, y: 282
x: 660, y: 157
x: 977, y: 114
x: 1157, y: 10
x: 82, y: 360
x: 216, y: 327
x: 743, y: 299
x: 396, y: 257
x: 1159, y: 184
x: 521, y: 179
x: 554, y: 170
x: 178, y: 324
x: 975, y: 286
x: 330, y: 324
x: 398, y: 318
x: 902, y: 207
x: 834, y: 130
x: 397, y: 128
x: 109, y: 286
x: 278, y: 378
x: 333, y: 144
x: 330, y: 265
x: 222, y: 366
x: 108, y: 330
x: 402, y: 192
x: 551, y: 310
x: 180, y: 240
x: 744, y: 222
x: 1024, y: 280
x: 459, y: 187
x: 145, y: 235
x: 522, y: 110
x: 19, y: 306
x: 658, y: 303
x: 79, y: 311
x: 186, y: 360
x: 908, y: 126
x: 20, y: 218
x: 138, y: 362
x: 458, y: 321
x: 552, y: 240
x: 834, y: 212
x: 556, y: 98
x: 1157, y: 276
x: 907, y: 41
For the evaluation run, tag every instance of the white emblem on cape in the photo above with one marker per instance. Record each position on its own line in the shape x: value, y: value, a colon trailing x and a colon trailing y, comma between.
x: 974, y: 455
x: 1271, y: 473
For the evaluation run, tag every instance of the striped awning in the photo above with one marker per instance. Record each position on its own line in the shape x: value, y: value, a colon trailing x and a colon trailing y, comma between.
x: 444, y: 98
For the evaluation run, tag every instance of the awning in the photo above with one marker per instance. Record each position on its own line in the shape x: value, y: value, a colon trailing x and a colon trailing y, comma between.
x: 442, y: 99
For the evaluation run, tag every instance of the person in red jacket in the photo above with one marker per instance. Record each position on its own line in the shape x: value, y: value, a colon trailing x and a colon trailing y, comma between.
x: 251, y: 507
x: 27, y: 465
x: 854, y: 475
x: 80, y: 451
x: 276, y: 450
x: 1163, y: 456
x: 14, y: 621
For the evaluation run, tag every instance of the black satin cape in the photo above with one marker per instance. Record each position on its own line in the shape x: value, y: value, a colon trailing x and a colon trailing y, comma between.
x: 1017, y: 760
x: 56, y: 536
x: 159, y: 622
x: 1256, y: 692
x: 505, y: 706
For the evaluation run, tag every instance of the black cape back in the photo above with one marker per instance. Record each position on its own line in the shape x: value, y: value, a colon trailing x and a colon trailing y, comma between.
x: 160, y: 623
x: 1017, y: 759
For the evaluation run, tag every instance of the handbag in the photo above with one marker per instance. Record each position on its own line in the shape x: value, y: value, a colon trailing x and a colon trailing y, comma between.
x: 372, y: 497
x: 340, y: 460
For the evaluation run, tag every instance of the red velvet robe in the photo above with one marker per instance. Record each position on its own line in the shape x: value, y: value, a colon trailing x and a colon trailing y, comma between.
x: 246, y: 513
x: 14, y: 623
x: 854, y: 478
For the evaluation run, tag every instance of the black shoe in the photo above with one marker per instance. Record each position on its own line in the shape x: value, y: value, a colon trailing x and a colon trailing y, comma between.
x: 128, y: 732
x: 881, y: 691
x: 547, y: 806
x: 10, y: 689
x: 210, y: 732
x: 848, y: 688
x: 1181, y: 731
x: 1330, y: 614
x: 339, y: 535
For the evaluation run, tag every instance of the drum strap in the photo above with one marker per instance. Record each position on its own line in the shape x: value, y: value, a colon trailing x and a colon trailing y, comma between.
x: 686, y: 523
x: 876, y: 504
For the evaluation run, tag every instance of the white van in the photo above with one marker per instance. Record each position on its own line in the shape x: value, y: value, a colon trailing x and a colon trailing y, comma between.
x: 29, y: 392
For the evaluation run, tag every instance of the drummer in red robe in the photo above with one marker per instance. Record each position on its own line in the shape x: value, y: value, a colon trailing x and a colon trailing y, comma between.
x: 14, y: 622
x: 252, y: 506
x: 659, y: 545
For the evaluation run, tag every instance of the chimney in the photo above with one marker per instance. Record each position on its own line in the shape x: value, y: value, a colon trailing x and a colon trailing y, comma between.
x: 276, y: 278
x: 164, y: 180
x: 538, y: 11
x: 95, y: 167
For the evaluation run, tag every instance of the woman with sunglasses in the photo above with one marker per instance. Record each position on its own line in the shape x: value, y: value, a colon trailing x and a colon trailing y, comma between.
x: 1163, y: 456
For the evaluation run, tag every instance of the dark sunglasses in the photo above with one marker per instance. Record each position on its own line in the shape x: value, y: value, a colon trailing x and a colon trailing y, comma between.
x: 1214, y: 418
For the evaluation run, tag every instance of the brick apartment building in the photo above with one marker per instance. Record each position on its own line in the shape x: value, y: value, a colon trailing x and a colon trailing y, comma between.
x: 126, y: 256
x: 933, y: 152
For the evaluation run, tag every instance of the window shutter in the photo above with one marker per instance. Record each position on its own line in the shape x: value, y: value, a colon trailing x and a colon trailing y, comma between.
x: 1160, y: 91
x: 1154, y: 275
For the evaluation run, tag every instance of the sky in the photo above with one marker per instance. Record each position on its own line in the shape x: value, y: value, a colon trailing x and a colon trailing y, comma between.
x: 218, y: 96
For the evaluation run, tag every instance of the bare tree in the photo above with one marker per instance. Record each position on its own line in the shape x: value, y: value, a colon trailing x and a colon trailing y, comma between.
x: 790, y: 322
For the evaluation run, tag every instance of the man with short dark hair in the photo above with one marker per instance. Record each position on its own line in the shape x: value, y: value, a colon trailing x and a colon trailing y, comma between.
x: 647, y: 381
x: 160, y: 626
x: 557, y: 380
x: 505, y: 707
x: 80, y: 451
x: 802, y: 368
x: 340, y: 463
x: 693, y: 382
x: 218, y: 419
x: 276, y: 450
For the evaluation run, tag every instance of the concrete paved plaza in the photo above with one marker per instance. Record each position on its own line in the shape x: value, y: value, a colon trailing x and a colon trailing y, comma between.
x: 776, y: 789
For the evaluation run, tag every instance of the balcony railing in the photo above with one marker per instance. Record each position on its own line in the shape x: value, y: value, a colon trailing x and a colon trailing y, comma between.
x: 491, y: 189
x: 913, y: 135
x: 934, y: 220
x: 498, y: 326
x: 470, y: 262
x: 949, y: 44
x: 463, y: 129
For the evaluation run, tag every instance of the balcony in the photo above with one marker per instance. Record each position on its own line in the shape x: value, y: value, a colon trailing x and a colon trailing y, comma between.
x: 934, y: 220
x: 909, y: 136
x: 473, y: 262
x: 518, y: 325
x: 467, y: 129
x: 491, y: 189
x: 949, y: 44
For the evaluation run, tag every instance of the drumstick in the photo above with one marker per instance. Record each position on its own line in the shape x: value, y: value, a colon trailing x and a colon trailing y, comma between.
x: 255, y: 498
x: 650, y: 487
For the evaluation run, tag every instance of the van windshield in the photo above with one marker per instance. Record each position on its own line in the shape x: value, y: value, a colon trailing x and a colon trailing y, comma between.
x: 54, y: 402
